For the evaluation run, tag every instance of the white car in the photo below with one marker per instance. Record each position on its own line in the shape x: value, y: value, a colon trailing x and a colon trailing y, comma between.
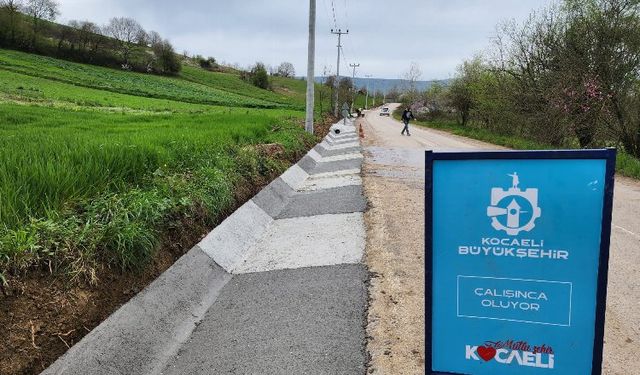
x: 385, y: 111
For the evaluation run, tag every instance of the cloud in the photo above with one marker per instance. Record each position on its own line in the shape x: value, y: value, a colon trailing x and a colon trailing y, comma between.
x: 384, y: 36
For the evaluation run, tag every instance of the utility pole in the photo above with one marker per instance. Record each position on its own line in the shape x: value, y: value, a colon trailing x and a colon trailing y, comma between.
x: 353, y: 82
x: 311, y: 60
x: 366, y: 98
x: 336, y: 84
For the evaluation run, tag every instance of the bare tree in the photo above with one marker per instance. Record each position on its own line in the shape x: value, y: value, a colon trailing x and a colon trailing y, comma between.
x: 40, y: 10
x: 12, y: 7
x: 154, y: 37
x: 413, y: 75
x: 126, y: 32
x: 286, y: 69
x: 142, y: 38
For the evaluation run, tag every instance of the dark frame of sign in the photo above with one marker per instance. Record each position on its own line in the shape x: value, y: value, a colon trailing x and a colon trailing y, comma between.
x: 609, y: 155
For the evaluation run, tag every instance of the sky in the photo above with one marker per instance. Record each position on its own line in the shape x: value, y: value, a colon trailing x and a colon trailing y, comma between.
x: 384, y: 37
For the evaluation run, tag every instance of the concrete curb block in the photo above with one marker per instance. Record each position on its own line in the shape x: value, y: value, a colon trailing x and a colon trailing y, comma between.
x: 298, y: 243
x: 343, y: 146
x: 145, y: 333
x: 294, y: 176
x: 227, y: 244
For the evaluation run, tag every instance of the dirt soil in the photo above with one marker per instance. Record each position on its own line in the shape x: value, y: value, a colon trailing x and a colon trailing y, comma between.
x: 42, y: 315
x: 395, y: 257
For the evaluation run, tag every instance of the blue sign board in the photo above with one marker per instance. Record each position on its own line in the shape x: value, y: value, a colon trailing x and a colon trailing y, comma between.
x: 517, y: 257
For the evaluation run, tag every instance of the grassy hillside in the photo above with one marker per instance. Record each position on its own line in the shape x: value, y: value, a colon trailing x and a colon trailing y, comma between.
x: 97, y: 162
x: 126, y: 82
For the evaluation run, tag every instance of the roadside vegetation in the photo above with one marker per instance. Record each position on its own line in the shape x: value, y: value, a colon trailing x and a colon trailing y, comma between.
x: 99, y: 163
x: 566, y: 78
x: 86, y: 189
x: 626, y: 165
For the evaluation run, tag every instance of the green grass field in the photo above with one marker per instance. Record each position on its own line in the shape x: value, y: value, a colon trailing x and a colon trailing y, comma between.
x: 98, y: 163
x: 110, y: 80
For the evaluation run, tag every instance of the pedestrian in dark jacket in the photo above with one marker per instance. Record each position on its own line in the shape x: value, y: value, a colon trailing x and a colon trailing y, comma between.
x: 406, y: 117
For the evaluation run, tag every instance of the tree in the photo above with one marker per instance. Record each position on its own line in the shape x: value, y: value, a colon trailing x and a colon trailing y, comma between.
x: 126, y: 32
x: 460, y: 94
x: 143, y: 38
x: 413, y: 75
x: 153, y: 37
x: 40, y: 10
x: 259, y: 76
x: 86, y: 32
x: 286, y: 69
x: 12, y: 7
x: 345, y: 91
x: 65, y: 34
x: 208, y: 63
x: 392, y: 95
x: 166, y: 61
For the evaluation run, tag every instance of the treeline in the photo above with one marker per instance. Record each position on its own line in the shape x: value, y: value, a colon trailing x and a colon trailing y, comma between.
x: 348, y: 94
x: 568, y: 77
x: 27, y: 25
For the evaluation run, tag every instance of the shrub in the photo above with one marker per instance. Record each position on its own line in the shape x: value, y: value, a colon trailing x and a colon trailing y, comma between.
x: 259, y: 76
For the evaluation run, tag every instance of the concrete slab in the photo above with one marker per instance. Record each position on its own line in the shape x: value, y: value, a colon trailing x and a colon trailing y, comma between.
x: 304, y: 321
x: 347, y: 156
x: 308, y: 242
x: 346, y: 199
x: 307, y: 164
x: 315, y: 155
x: 342, y: 137
x: 273, y: 198
x: 342, y: 172
x: 343, y: 146
x: 294, y: 176
x: 230, y: 241
x: 336, y: 166
x: 325, y: 152
x: 313, y: 184
x: 144, y: 334
x: 338, y: 141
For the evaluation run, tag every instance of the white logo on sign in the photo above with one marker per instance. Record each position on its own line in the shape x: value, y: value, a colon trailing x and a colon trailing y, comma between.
x: 514, y: 210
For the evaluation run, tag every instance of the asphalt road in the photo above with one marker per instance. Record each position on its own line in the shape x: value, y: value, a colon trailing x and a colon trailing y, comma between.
x: 402, y: 157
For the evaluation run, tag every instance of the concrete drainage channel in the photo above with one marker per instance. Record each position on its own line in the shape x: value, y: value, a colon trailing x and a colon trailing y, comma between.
x: 277, y: 288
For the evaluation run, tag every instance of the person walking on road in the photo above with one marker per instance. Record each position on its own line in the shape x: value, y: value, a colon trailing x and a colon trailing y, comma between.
x: 406, y: 117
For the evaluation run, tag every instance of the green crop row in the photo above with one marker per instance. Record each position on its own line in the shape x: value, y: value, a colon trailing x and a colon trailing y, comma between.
x: 111, y: 80
x: 232, y: 83
x: 25, y: 89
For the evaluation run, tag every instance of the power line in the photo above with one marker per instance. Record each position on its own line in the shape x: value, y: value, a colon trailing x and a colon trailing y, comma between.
x: 346, y: 14
x: 333, y: 9
x: 328, y: 12
x: 344, y: 57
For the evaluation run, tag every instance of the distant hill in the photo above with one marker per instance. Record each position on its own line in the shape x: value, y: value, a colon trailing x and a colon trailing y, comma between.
x: 386, y: 85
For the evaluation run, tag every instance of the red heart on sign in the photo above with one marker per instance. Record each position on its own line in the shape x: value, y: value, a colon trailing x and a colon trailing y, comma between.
x: 486, y: 353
